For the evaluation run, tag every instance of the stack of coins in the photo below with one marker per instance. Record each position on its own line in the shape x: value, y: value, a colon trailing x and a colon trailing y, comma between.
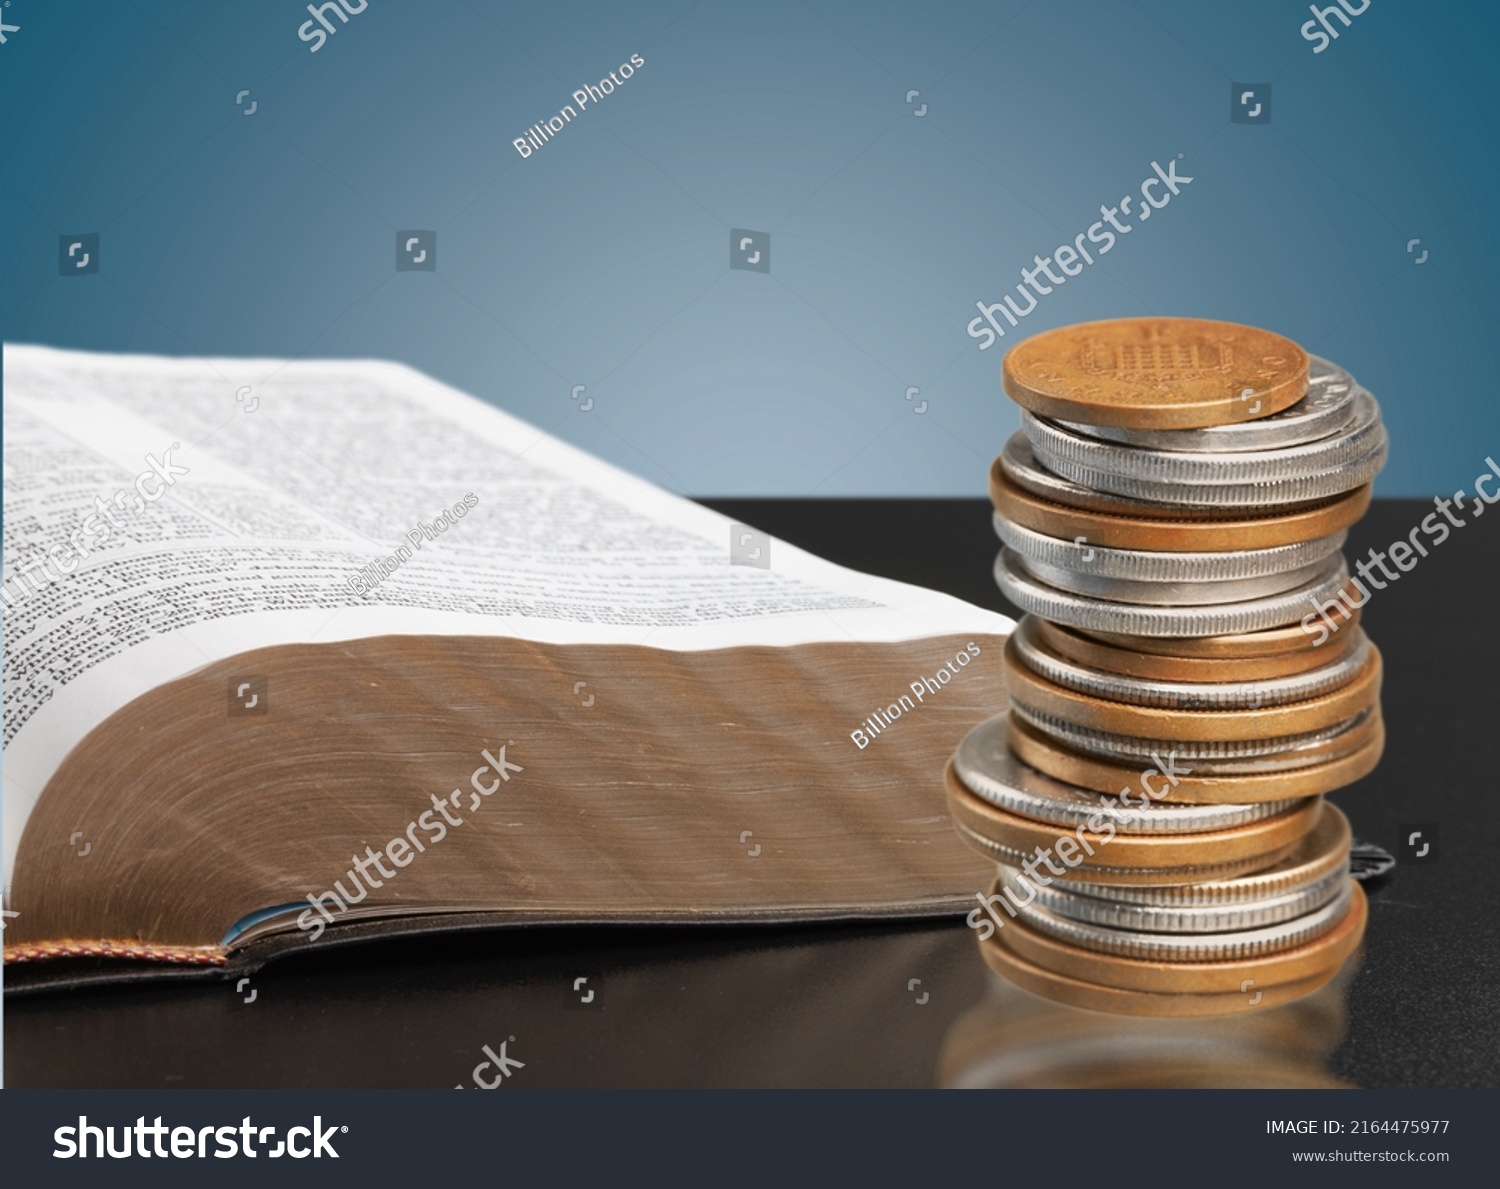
x: 1190, y: 676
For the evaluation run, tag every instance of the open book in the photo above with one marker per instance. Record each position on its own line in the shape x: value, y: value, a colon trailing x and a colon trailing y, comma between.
x: 302, y: 652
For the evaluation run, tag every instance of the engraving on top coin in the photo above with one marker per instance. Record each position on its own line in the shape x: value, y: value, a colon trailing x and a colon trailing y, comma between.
x: 1154, y: 373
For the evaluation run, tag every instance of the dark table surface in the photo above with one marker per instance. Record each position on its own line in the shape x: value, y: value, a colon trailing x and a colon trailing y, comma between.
x: 836, y: 1005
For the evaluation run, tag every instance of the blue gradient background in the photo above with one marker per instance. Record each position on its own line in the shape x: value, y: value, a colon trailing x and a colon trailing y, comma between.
x: 603, y: 259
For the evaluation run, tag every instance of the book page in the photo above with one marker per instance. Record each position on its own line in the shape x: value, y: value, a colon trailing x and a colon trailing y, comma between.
x: 162, y: 514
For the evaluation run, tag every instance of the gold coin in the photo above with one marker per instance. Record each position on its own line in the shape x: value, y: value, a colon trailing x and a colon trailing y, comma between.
x: 1040, y: 696
x: 1171, y: 534
x: 1273, y: 642
x: 1096, y: 653
x: 1325, y: 953
x: 1180, y: 854
x: 1156, y: 373
x: 1358, y: 757
x: 1098, y: 997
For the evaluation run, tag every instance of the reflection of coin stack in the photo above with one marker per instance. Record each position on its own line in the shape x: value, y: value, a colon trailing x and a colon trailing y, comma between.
x: 1190, y: 678
x: 1011, y: 1039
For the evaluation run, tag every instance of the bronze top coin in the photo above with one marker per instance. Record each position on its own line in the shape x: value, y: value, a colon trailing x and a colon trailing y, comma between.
x: 1156, y: 373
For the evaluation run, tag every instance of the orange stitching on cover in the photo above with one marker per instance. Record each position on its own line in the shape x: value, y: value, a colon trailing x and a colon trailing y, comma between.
x: 68, y: 948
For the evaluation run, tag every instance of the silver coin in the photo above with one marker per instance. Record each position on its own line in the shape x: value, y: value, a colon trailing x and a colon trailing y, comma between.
x: 1302, y: 755
x: 1050, y: 441
x: 1227, y: 619
x: 992, y: 772
x: 1169, y: 594
x: 1292, y: 489
x: 1190, y: 695
x: 1020, y: 466
x: 1298, y: 489
x: 1129, y: 749
x: 1300, y: 869
x: 1326, y: 408
x: 1140, y: 565
x: 1098, y: 907
x: 1188, y: 947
